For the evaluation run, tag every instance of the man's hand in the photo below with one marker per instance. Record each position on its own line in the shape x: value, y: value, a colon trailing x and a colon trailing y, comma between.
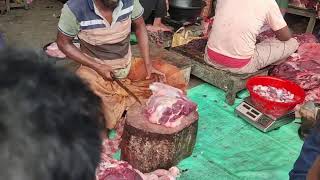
x: 105, y: 71
x: 151, y: 70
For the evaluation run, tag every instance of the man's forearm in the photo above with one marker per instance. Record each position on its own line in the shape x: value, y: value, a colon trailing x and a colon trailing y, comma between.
x: 72, y: 52
x: 143, y: 43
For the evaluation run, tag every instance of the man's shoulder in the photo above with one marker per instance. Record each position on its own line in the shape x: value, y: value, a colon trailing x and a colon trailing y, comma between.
x: 80, y: 7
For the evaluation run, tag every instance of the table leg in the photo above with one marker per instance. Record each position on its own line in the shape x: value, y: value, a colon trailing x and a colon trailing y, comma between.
x: 8, y: 5
x: 25, y: 4
x: 311, y: 25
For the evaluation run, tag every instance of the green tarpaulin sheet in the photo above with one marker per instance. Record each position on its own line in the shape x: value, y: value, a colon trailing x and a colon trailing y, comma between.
x: 229, y: 148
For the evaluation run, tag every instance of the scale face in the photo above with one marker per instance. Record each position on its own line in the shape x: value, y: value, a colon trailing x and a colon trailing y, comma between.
x: 262, y: 121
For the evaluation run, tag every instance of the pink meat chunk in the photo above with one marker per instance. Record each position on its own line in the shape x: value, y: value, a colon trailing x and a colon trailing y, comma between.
x: 168, y: 105
x: 303, y: 69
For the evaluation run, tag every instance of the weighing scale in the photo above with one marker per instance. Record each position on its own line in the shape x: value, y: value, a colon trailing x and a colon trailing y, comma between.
x: 261, y: 121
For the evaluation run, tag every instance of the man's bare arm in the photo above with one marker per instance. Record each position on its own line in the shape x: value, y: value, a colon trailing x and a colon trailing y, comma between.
x: 283, y: 34
x: 142, y: 36
x: 71, y: 51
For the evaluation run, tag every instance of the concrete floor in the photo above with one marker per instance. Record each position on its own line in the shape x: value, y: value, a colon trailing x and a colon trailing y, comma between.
x: 31, y: 28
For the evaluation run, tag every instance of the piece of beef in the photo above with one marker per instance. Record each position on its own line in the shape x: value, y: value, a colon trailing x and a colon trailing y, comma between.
x: 197, y: 45
x: 303, y: 69
x: 306, y: 38
x: 116, y: 170
x: 168, y: 105
x: 286, y: 70
x: 308, y: 80
x: 313, y: 95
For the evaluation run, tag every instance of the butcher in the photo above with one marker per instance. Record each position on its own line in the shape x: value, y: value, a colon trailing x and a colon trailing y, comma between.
x: 103, y: 28
x: 232, y: 44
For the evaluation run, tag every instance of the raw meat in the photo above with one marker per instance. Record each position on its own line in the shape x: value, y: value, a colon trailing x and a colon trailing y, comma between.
x: 197, y: 45
x: 313, y: 95
x: 168, y: 105
x: 53, y: 51
x: 301, y: 38
x: 274, y: 94
x: 309, y: 4
x: 304, y: 69
x: 111, y: 169
x: 158, y: 36
x: 306, y: 38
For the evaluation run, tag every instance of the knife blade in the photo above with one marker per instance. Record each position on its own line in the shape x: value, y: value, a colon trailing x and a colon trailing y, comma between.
x: 126, y: 89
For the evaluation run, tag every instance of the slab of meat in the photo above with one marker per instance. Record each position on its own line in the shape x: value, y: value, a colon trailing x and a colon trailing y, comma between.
x: 309, y: 4
x: 274, y: 94
x: 303, y: 69
x: 197, y: 45
x: 306, y: 38
x: 168, y: 105
x: 111, y: 169
x: 53, y: 50
x: 313, y: 95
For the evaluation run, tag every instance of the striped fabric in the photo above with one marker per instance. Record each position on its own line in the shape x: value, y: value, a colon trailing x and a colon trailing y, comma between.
x: 101, y: 39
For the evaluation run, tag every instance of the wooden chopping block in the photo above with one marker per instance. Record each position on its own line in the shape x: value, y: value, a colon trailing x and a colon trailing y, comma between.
x: 148, y: 147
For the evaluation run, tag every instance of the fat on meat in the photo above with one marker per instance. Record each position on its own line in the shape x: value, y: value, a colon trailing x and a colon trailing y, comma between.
x: 168, y: 105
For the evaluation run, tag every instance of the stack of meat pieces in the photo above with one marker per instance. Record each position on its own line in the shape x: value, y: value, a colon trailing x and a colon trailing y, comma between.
x: 168, y: 105
x: 112, y: 169
x: 197, y: 45
x: 304, y: 69
x: 308, y: 4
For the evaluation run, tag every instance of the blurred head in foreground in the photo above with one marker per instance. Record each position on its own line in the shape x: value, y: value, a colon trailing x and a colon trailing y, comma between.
x: 49, y: 121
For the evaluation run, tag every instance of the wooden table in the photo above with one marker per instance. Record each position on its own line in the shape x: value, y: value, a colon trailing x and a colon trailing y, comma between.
x: 311, y: 14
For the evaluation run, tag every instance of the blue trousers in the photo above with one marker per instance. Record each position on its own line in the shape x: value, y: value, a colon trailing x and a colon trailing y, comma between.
x: 309, y: 153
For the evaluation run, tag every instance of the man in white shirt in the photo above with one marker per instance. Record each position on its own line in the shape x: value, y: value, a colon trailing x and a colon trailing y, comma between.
x: 232, y: 44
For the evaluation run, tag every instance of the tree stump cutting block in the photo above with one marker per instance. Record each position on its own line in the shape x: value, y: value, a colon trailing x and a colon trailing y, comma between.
x: 148, y: 147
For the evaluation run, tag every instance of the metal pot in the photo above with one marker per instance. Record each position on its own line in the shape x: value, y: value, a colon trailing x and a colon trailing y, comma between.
x: 185, y: 10
x: 187, y: 4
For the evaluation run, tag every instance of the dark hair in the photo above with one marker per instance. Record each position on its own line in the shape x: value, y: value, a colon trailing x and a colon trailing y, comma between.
x: 111, y: 4
x: 50, y: 121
